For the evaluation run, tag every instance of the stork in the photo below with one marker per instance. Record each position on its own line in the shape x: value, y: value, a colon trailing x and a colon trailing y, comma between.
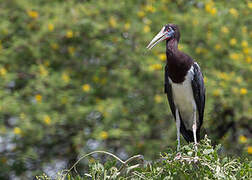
x: 184, y: 86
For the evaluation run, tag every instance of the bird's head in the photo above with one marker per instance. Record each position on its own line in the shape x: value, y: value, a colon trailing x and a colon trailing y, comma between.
x: 168, y: 32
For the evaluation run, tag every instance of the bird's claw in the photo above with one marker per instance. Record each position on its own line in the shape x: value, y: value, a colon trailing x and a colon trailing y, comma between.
x: 178, y: 156
x: 196, y: 146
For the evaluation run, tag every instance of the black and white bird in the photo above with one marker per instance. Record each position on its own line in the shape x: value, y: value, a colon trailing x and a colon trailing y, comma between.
x: 184, y: 85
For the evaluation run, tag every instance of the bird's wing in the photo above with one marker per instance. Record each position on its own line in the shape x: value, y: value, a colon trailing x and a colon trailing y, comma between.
x: 198, y: 91
x: 168, y: 91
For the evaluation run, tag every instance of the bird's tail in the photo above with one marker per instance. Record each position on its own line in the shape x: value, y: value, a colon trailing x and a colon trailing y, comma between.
x: 188, y: 134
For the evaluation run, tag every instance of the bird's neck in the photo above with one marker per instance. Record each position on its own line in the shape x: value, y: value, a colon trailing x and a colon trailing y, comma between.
x: 178, y: 63
x: 171, y: 48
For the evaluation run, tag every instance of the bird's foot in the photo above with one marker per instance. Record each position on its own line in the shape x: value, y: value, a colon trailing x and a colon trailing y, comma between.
x: 196, y: 146
x: 178, y: 156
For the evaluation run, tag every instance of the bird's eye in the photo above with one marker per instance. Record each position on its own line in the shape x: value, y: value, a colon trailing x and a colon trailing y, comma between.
x: 167, y: 29
x: 170, y: 29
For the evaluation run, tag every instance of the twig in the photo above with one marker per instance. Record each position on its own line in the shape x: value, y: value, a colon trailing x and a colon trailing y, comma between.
x: 124, y: 163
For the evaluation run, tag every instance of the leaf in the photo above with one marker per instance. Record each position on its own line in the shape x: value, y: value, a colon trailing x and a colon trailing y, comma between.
x: 208, y: 151
x: 190, y: 153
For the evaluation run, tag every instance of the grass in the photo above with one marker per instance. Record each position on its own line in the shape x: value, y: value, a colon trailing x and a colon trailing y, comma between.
x: 205, y: 163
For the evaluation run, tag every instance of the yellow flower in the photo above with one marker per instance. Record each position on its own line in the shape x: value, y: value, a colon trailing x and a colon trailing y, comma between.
x: 47, y: 120
x: 243, y: 139
x: 217, y: 92
x: 103, y: 135
x: 248, y: 59
x: 103, y: 81
x: 213, y: 11
x: 235, y: 90
x: 208, y: 6
x: 205, y: 79
x: 50, y: 27
x: 243, y: 91
x: 150, y: 9
x: 234, y: 12
x: 3, y: 71
x: 17, y: 131
x: 162, y: 56
x: 3, y: 130
x: 54, y: 46
x: 195, y: 22
x: 141, y: 14
x: 112, y: 22
x: 115, y: 39
x: 217, y: 46
x: 95, y: 79
x: 223, y: 76
x: 64, y: 100
x: 86, y: 87
x: 147, y: 21
x: 234, y: 56
x: 91, y: 160
x: 5, y: 31
x: 38, y: 98
x: 198, y: 50
x: 245, y: 50
x: 127, y: 26
x: 146, y: 29
x: 65, y: 77
x: 69, y: 34
x: 223, y: 84
x: 105, y: 114
x: 42, y: 70
x: 33, y: 14
x: 232, y: 41
x: 125, y: 110
x: 250, y: 5
x: 238, y: 79
x: 46, y: 63
x: 224, y: 29
x: 244, y: 44
x: 155, y: 67
x: 71, y: 50
x: 209, y: 35
x: 180, y: 46
x: 22, y: 115
x: 158, y: 99
x: 249, y: 149
x: 244, y: 29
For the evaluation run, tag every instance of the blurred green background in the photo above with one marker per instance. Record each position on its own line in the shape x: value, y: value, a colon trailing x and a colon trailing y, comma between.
x: 75, y: 76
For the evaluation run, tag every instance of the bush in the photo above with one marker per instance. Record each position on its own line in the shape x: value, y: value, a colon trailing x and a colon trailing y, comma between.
x: 204, y: 163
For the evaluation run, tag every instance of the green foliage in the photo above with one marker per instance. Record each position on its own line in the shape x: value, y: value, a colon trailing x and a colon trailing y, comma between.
x: 204, y: 163
x: 75, y: 77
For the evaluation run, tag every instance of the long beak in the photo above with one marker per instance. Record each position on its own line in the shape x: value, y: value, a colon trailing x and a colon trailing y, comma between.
x: 157, y: 39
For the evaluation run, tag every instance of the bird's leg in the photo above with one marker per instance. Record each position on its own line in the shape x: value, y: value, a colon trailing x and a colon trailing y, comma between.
x: 194, y: 127
x: 178, y: 128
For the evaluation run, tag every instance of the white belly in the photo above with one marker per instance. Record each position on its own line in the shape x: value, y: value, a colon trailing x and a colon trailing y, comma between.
x: 184, y: 100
